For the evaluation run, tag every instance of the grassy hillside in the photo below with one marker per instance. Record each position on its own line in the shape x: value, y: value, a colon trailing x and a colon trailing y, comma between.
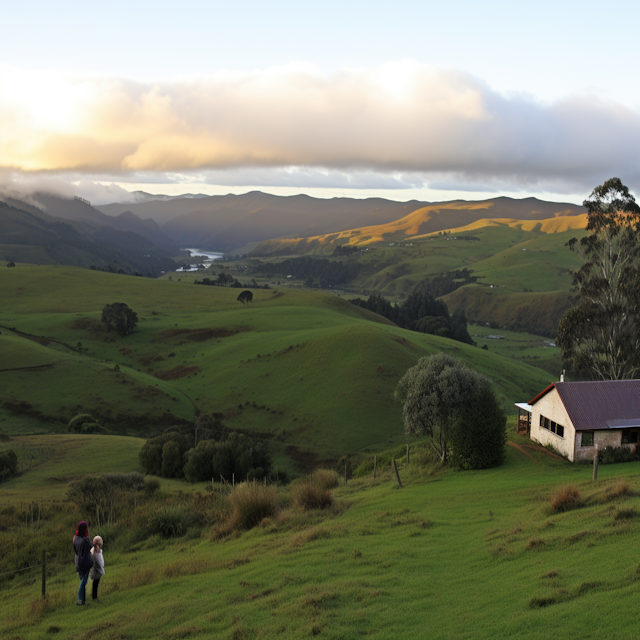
x: 528, y: 214
x: 307, y: 371
x: 452, y: 554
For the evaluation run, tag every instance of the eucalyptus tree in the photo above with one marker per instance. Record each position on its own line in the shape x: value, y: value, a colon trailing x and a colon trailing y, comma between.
x: 600, y: 335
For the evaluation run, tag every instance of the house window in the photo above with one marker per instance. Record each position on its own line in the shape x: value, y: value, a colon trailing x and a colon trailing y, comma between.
x: 587, y: 438
x: 629, y: 437
x: 552, y: 426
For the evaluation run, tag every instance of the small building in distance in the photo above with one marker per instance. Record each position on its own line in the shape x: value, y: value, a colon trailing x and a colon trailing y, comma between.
x: 578, y: 418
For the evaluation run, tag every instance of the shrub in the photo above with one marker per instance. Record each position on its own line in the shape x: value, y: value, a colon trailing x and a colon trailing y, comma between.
x: 251, y: 502
x: 309, y: 495
x: 151, y: 454
x: 151, y: 485
x: 326, y: 478
x: 8, y: 463
x: 613, y: 455
x: 566, y: 499
x: 170, y: 522
x: 238, y: 456
x: 84, y: 423
x: 101, y: 491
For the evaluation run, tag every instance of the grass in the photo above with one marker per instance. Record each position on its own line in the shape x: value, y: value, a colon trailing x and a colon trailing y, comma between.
x: 306, y: 371
x: 464, y: 554
x: 525, y: 347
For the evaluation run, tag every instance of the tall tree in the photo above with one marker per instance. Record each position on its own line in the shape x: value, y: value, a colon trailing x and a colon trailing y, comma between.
x: 120, y: 318
x: 600, y: 335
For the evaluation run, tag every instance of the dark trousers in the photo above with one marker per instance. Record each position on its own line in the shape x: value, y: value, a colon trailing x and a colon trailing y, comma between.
x: 94, y: 590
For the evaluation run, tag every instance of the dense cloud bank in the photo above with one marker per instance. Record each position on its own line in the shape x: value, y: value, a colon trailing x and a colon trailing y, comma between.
x: 404, y: 123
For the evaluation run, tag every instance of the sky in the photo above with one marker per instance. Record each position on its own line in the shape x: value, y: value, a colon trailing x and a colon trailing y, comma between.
x: 404, y: 100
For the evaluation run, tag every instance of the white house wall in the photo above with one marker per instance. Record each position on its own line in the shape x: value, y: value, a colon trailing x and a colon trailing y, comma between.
x: 550, y: 406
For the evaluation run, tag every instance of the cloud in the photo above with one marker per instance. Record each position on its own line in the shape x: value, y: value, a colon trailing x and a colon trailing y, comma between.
x: 26, y: 186
x: 295, y: 125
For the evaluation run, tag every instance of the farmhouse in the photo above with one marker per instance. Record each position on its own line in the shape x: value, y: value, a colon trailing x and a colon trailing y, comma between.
x: 578, y: 418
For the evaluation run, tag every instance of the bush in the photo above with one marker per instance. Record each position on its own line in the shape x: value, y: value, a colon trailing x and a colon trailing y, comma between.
x: 152, y: 451
x: 101, y: 491
x: 566, y: 499
x: 84, y: 423
x: 251, y: 503
x: 151, y: 485
x: 613, y: 455
x: 170, y: 522
x: 238, y: 456
x: 309, y: 495
x: 8, y: 463
x: 326, y: 478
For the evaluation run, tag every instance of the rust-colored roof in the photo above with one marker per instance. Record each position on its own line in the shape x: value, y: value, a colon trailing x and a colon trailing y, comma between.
x: 609, y: 404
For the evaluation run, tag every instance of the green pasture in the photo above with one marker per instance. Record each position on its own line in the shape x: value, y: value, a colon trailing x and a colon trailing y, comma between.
x: 307, y: 371
x: 50, y: 462
x: 452, y: 554
x: 525, y: 347
x: 501, y: 255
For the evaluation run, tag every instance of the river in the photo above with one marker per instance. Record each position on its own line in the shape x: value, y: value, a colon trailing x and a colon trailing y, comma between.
x: 206, y: 258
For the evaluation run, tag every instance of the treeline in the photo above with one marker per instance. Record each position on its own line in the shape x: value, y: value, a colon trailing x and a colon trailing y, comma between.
x: 227, y: 280
x: 320, y: 272
x: 443, y: 283
x: 420, y: 312
x: 173, y: 455
x: 8, y: 464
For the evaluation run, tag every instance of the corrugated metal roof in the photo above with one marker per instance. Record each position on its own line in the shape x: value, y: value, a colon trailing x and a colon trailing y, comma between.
x: 609, y: 404
x: 523, y: 405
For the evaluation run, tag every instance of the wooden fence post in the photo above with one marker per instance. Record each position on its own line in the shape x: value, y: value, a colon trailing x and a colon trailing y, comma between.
x: 595, y: 466
x: 44, y: 573
x: 395, y: 468
x: 407, y: 454
x: 375, y: 466
x: 345, y: 473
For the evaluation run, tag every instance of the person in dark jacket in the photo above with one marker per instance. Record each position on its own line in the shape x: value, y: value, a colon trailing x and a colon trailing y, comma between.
x: 84, y: 562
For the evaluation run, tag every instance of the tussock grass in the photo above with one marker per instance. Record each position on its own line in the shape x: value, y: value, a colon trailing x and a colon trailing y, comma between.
x: 565, y: 499
x: 250, y: 502
x: 326, y: 478
x: 621, y: 489
x: 308, y: 495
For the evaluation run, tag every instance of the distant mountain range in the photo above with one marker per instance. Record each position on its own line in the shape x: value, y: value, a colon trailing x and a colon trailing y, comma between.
x: 227, y: 223
x: 132, y: 233
x: 72, y: 232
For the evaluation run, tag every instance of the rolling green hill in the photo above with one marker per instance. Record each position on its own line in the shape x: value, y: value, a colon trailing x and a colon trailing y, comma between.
x: 477, y: 555
x: 308, y: 371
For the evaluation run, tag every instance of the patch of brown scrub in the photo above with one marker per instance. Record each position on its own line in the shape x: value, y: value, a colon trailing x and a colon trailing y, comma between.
x: 81, y: 323
x: 200, y: 335
x: 177, y: 372
x: 304, y: 459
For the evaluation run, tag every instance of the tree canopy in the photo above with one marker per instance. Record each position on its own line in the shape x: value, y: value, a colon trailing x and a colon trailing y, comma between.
x: 456, y: 409
x: 245, y: 296
x: 420, y: 312
x: 600, y: 335
x: 119, y: 318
